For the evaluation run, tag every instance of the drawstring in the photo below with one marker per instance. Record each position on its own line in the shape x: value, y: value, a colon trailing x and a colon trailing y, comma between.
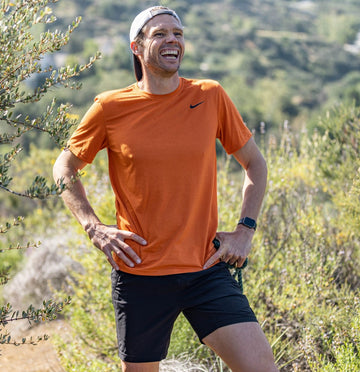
x: 236, y: 272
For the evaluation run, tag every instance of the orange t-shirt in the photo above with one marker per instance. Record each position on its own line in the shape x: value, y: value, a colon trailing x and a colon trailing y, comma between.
x: 162, y: 166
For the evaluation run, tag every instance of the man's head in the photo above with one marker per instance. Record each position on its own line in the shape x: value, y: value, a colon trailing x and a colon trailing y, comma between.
x: 157, y: 24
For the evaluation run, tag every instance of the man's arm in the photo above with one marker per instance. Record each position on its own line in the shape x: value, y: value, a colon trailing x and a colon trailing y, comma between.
x: 235, y: 246
x: 109, y: 239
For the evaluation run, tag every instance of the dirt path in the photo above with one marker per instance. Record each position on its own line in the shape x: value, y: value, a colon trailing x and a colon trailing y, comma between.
x: 33, y: 358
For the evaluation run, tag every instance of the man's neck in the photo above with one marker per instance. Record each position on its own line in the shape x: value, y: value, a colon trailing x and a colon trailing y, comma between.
x: 157, y: 85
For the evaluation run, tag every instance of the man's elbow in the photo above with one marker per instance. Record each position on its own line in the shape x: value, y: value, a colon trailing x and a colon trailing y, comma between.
x: 57, y: 173
x: 65, y: 166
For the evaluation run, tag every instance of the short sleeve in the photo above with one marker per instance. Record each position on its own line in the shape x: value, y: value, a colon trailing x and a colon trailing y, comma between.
x: 90, y: 136
x: 232, y: 131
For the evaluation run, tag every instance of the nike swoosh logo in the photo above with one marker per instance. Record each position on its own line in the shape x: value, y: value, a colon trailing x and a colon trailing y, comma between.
x: 193, y: 106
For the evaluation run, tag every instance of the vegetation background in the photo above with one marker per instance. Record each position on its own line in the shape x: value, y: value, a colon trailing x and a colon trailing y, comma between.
x: 292, y: 69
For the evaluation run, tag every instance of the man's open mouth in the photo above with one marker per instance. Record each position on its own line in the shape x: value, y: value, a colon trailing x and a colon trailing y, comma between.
x: 170, y: 53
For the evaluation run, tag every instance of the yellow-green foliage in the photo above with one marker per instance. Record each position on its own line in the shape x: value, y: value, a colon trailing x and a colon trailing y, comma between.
x: 303, y: 278
x: 303, y: 274
x: 93, y: 345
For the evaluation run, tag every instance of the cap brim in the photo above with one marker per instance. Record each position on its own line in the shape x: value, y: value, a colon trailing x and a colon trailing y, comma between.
x: 137, y: 68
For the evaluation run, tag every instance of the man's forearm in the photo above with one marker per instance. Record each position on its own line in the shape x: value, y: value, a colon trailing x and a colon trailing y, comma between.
x: 74, y: 195
x: 254, y: 188
x: 254, y: 164
x: 236, y: 245
x: 75, y: 199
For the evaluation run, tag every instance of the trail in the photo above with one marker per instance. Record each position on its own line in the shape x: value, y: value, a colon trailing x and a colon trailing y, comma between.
x: 41, y: 357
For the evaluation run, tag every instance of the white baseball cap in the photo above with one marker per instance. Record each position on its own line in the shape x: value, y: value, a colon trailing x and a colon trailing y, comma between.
x: 144, y: 17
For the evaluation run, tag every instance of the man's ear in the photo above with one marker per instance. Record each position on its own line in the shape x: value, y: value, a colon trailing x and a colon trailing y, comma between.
x: 135, y: 48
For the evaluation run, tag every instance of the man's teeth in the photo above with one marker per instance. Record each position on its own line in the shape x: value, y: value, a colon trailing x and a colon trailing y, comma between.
x: 170, y: 53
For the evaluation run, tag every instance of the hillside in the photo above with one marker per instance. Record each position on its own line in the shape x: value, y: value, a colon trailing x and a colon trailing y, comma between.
x: 279, y: 60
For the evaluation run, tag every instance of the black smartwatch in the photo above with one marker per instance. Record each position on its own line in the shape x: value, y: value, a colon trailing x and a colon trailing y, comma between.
x: 248, y: 222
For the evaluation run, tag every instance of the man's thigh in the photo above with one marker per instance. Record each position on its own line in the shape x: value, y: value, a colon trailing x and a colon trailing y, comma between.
x: 216, y: 301
x: 139, y: 367
x: 243, y: 347
x: 145, y: 311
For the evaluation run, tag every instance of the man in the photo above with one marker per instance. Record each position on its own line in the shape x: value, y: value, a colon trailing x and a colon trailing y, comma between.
x: 160, y: 137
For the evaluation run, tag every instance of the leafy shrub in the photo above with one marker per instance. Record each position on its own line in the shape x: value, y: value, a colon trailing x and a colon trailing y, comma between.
x: 24, y: 42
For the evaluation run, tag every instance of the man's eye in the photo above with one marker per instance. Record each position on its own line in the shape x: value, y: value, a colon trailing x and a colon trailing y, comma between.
x: 159, y: 34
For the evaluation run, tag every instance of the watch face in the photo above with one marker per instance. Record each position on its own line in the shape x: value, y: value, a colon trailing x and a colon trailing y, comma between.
x: 248, y: 222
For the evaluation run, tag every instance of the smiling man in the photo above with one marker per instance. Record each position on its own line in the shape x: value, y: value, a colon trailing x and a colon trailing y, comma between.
x: 160, y: 135
x: 157, y: 57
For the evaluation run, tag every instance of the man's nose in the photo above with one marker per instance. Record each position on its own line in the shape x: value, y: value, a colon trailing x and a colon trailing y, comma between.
x: 171, y: 38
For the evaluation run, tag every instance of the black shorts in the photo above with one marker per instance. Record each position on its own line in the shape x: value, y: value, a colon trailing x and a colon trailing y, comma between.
x: 146, y: 308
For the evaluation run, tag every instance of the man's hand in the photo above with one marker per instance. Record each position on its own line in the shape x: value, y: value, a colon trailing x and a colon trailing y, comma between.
x: 110, y: 239
x: 234, y: 247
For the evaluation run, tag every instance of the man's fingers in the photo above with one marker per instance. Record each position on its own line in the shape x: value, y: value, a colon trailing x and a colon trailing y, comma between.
x: 132, y: 236
x: 240, y: 262
x: 129, y: 252
x: 215, y: 257
x: 224, y: 254
x: 125, y: 258
x: 234, y: 261
x: 112, y: 241
x: 110, y: 251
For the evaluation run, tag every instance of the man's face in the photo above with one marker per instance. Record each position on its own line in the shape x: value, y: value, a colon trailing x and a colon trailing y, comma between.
x: 163, y: 46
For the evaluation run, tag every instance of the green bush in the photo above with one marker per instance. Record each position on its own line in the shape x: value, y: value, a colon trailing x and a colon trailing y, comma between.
x: 25, y: 40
